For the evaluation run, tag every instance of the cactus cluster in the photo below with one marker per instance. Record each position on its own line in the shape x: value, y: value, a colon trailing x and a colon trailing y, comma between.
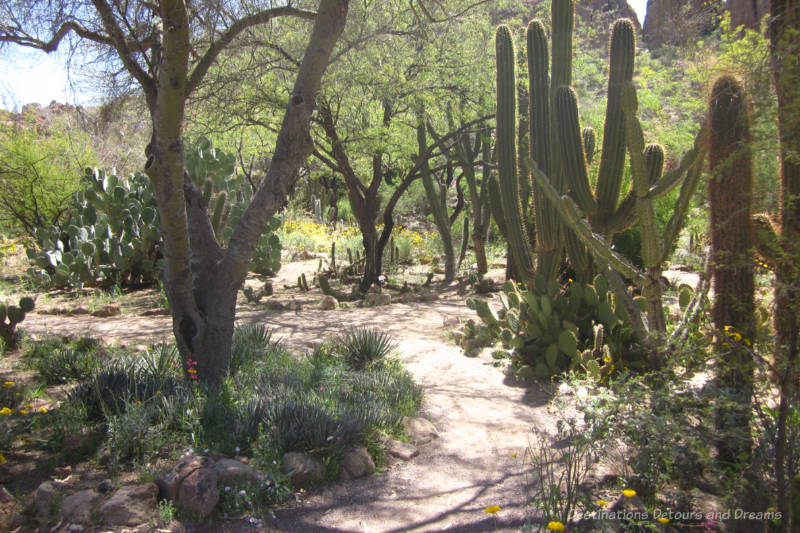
x: 227, y: 194
x: 112, y: 236
x: 10, y: 316
x: 570, y: 214
x: 550, y: 329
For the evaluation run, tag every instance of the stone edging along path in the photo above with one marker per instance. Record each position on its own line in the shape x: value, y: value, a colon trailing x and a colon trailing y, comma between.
x: 483, y: 418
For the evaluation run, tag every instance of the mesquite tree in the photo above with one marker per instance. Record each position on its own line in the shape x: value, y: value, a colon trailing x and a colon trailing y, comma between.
x: 167, y: 48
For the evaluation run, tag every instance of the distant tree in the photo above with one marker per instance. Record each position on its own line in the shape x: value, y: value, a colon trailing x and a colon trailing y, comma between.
x: 166, y: 47
x: 40, y: 167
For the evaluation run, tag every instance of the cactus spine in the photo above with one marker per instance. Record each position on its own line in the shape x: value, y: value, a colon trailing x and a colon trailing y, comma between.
x: 729, y: 193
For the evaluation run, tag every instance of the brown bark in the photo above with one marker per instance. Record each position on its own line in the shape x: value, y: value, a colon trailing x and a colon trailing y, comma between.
x: 785, y: 52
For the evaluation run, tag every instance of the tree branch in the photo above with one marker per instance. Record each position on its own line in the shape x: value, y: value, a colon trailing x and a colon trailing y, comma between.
x: 238, y: 27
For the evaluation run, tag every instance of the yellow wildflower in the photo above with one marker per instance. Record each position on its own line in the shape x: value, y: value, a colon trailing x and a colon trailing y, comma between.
x: 493, y: 509
x: 629, y: 493
x: 6, y: 411
x: 555, y: 526
x: 8, y: 384
x: 601, y: 503
x: 663, y: 520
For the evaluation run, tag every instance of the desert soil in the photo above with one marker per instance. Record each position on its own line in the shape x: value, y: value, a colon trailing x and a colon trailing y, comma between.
x: 483, y: 416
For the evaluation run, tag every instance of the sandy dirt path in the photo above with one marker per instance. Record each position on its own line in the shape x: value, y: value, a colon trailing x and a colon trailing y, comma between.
x: 484, y: 419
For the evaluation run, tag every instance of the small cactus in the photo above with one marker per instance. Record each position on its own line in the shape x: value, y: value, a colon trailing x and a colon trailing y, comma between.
x: 10, y: 316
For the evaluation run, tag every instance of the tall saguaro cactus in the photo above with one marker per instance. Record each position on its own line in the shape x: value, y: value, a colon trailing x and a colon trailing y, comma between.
x: 730, y: 198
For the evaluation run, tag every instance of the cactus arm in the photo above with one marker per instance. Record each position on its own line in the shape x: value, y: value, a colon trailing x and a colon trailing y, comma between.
x: 694, y: 156
x: 676, y: 221
x: 622, y: 51
x: 571, y: 146
x: 651, y: 245
x: 539, y: 84
x: 589, y: 142
x: 547, y: 224
x: 601, y: 249
x: 563, y: 13
x: 519, y: 244
x: 630, y: 308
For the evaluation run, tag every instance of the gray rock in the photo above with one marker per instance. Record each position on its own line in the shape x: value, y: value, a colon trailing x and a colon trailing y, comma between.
x: 107, y: 311
x: 301, y: 467
x: 130, y: 506
x: 328, y: 303
x: 43, y: 501
x: 419, y: 430
x: 105, y: 486
x: 401, y: 450
x: 374, y: 299
x: 232, y: 472
x: 77, y: 508
x: 357, y: 463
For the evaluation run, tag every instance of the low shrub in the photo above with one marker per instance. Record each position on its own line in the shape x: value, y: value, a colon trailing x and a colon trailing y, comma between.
x: 362, y: 347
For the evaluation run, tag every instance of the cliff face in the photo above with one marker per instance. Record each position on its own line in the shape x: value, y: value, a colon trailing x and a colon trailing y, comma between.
x: 675, y: 22
x: 747, y: 13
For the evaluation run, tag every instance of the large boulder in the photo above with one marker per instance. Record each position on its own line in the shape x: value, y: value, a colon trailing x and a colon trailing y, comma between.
x: 192, y: 484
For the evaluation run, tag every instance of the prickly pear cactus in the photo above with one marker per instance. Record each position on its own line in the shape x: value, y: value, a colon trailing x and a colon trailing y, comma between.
x: 10, y: 316
x: 551, y: 328
x: 113, y: 236
x: 227, y: 194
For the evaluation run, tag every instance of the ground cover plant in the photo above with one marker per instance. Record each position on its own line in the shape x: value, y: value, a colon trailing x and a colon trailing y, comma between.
x: 651, y: 289
x: 144, y: 408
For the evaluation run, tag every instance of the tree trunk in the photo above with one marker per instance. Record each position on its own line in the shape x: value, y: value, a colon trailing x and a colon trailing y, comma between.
x: 785, y: 50
x: 201, y: 282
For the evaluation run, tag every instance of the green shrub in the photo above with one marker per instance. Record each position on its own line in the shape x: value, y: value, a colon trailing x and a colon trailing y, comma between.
x: 362, y: 347
x: 251, y: 343
x: 161, y: 361
x: 67, y: 365
x: 132, y: 432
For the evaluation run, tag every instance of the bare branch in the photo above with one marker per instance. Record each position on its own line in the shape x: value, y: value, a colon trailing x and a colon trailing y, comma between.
x: 236, y: 28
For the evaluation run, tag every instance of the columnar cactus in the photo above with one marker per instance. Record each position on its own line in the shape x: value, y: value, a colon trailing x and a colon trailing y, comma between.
x: 730, y: 198
x: 438, y: 203
x: 508, y: 176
